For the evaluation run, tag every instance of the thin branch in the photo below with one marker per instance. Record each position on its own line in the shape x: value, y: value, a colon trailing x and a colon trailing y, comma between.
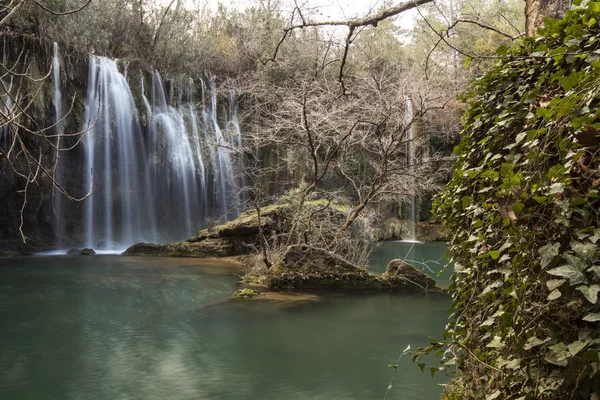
x: 43, y: 7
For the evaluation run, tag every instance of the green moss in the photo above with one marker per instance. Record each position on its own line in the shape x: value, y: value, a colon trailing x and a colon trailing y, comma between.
x: 322, y: 202
x: 246, y: 293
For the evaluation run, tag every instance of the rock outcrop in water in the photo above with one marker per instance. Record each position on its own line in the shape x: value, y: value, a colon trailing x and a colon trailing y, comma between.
x: 402, y: 275
x: 305, y: 267
x: 232, y: 238
x: 299, y: 267
x: 208, y: 248
x: 82, y: 252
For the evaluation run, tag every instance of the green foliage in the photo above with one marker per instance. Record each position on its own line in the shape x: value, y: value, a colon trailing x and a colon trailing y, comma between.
x: 523, y: 205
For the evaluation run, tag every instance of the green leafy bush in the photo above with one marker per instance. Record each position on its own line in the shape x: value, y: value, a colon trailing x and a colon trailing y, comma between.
x: 523, y: 205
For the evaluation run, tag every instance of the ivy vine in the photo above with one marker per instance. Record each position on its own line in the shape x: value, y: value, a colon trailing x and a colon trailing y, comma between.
x: 523, y: 206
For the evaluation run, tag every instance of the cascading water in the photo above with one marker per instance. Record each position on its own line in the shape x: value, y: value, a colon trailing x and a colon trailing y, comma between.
x: 198, y: 146
x: 226, y: 191
x: 149, y: 176
x: 117, y: 213
x: 6, y: 133
x: 173, y: 161
x: 410, y: 161
x: 58, y: 130
x: 235, y: 134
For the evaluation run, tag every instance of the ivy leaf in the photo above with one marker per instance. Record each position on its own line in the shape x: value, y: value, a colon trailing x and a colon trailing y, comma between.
x: 557, y: 354
x: 554, y: 283
x: 548, y: 252
x: 592, y: 317
x: 590, y: 293
x: 584, y: 251
x: 555, y: 294
x: 496, y: 343
x: 570, y: 272
x: 595, y: 269
x: 534, y: 341
x: 596, y: 236
x: 556, y: 188
x: 576, y: 347
x: 466, y: 201
x: 567, y: 82
x: 495, y: 254
x: 576, y: 262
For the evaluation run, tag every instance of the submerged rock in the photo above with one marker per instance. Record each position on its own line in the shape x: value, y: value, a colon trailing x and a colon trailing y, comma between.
x: 401, y: 274
x: 82, y: 252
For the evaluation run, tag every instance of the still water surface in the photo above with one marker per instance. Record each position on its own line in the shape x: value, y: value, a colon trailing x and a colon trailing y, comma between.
x: 108, y: 327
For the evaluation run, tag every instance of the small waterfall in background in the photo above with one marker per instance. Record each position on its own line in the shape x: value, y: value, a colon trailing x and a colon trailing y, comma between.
x: 225, y: 188
x: 150, y: 176
x: 410, y: 161
x: 6, y: 133
x: 58, y: 131
x: 236, y: 137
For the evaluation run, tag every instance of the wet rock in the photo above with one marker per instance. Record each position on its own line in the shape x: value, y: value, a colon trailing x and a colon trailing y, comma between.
x: 401, y: 274
x: 82, y: 252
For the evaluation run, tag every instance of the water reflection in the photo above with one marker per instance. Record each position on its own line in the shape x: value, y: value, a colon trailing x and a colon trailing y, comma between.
x: 119, y: 328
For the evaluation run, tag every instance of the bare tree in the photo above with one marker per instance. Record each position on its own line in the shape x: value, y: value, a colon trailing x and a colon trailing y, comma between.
x: 346, y: 152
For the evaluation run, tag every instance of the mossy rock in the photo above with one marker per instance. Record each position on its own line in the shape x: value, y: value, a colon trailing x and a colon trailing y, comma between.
x: 306, y: 267
x: 246, y: 293
x: 205, y: 249
x: 401, y: 274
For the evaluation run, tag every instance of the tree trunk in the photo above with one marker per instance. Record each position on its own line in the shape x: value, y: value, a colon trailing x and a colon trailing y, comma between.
x: 537, y: 10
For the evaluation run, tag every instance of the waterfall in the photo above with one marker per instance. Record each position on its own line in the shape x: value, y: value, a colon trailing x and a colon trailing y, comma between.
x: 151, y: 180
x: 226, y: 190
x: 117, y: 213
x: 198, y: 147
x: 410, y: 161
x: 174, y: 169
x: 58, y: 131
x: 6, y: 133
x: 236, y: 137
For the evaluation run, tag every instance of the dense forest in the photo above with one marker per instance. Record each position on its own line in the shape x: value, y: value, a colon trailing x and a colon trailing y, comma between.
x: 299, y: 141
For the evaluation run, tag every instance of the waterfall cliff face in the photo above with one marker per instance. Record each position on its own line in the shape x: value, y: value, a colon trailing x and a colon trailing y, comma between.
x: 150, y: 183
